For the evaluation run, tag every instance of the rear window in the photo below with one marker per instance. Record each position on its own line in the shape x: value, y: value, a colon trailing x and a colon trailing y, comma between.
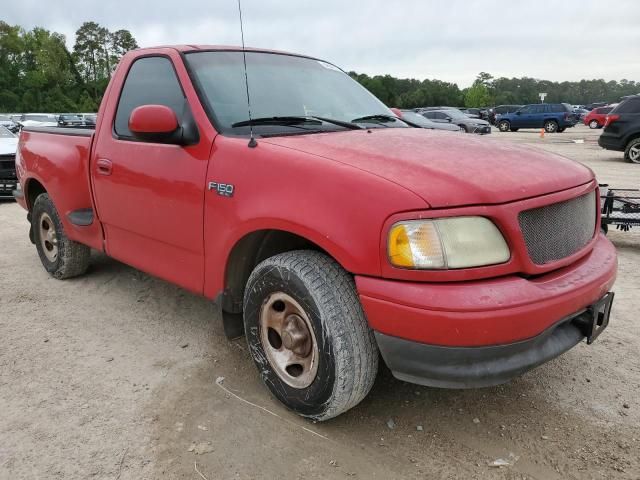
x: 631, y: 105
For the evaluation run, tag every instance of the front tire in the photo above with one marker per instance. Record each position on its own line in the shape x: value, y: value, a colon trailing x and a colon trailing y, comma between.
x: 632, y: 152
x: 60, y: 256
x: 503, y: 126
x: 308, y: 335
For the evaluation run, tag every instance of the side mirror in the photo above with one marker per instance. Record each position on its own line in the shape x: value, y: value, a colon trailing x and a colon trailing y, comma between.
x: 449, y: 119
x: 154, y: 123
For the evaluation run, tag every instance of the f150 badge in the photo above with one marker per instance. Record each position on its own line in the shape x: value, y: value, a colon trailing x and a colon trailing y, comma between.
x: 223, y: 189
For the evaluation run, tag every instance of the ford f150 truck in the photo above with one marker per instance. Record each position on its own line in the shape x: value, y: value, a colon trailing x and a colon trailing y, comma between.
x: 328, y: 230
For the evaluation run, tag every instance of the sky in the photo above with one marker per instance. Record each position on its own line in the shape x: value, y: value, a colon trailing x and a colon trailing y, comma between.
x: 450, y: 40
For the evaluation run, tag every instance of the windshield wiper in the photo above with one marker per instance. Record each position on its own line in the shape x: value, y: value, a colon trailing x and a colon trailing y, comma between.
x: 288, y: 120
x: 292, y: 120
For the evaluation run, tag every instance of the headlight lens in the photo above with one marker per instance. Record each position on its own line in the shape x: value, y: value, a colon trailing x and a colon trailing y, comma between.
x: 457, y: 242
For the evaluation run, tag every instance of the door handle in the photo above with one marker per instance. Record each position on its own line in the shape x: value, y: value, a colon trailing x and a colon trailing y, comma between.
x: 104, y: 166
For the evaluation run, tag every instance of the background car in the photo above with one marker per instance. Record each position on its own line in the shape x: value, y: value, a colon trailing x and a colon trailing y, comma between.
x: 38, y: 120
x: 595, y: 118
x: 424, y: 122
x: 553, y: 117
x: 70, y: 120
x: 622, y: 129
x: 8, y: 147
x: 501, y: 110
x: 456, y: 117
x: 580, y: 113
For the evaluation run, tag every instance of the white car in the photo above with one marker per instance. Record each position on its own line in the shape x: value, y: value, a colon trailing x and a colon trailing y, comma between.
x: 39, y: 120
x: 8, y: 147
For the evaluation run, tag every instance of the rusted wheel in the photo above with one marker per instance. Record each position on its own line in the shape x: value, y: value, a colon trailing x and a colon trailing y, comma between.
x: 60, y: 256
x: 308, y: 335
x: 288, y: 340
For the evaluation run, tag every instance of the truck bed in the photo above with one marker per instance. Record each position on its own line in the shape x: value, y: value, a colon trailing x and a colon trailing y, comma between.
x: 59, y: 159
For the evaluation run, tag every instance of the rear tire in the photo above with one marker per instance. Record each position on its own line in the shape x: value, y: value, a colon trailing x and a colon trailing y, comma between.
x: 504, y: 126
x: 60, y: 256
x: 301, y: 310
x: 632, y: 152
x: 550, y: 126
x: 593, y: 124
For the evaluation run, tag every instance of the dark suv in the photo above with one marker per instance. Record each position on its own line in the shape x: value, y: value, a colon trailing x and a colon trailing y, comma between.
x: 553, y: 117
x: 622, y: 129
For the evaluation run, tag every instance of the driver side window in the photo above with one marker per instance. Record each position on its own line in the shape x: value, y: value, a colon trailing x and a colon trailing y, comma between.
x: 150, y: 81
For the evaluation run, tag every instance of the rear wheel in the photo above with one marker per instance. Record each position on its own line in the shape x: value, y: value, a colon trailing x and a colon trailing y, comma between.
x: 503, y: 125
x: 550, y: 126
x: 632, y: 152
x: 593, y: 124
x: 308, y: 335
x: 60, y: 256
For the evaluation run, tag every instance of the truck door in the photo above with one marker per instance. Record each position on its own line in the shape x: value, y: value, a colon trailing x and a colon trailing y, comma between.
x: 149, y: 196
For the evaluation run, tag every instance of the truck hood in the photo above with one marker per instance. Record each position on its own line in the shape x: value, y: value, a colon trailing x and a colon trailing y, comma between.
x: 446, y: 169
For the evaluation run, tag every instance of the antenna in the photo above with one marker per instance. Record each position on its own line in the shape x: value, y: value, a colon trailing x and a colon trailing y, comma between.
x: 252, y: 140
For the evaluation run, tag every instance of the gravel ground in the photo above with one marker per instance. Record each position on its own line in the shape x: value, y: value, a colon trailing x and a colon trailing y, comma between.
x: 113, y: 376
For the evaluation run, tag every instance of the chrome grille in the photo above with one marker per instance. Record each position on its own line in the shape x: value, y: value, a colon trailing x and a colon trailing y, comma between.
x: 556, y: 231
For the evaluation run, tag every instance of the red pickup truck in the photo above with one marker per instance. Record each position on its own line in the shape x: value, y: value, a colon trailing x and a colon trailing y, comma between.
x: 327, y: 229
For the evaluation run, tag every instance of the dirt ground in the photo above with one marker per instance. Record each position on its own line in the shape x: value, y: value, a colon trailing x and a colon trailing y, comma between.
x: 113, y: 376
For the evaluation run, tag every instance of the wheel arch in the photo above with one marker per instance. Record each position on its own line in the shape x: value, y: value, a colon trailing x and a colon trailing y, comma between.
x: 244, y: 256
x: 33, y: 188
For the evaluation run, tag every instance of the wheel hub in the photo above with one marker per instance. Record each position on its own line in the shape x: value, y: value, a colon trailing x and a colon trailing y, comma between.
x: 48, y: 237
x: 288, y: 340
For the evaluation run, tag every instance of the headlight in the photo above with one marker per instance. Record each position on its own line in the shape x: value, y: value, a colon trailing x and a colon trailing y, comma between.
x: 457, y: 242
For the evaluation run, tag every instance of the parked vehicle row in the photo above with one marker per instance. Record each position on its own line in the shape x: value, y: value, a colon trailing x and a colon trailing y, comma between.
x: 15, y: 122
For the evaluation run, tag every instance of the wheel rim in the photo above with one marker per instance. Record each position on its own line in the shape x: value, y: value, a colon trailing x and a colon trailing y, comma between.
x: 288, y: 340
x: 634, y: 153
x: 48, y: 237
x: 551, y: 127
x: 593, y: 124
x: 504, y: 126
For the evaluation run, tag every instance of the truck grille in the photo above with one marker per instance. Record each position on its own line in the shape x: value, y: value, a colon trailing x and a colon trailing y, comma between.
x: 556, y: 231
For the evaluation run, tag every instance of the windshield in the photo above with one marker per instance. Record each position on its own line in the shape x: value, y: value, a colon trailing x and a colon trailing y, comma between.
x: 455, y: 113
x: 417, y: 119
x: 4, y: 133
x: 280, y: 86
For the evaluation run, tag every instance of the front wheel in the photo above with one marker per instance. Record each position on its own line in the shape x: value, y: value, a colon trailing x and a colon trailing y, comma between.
x: 308, y: 335
x: 593, y: 124
x: 550, y: 126
x: 632, y: 152
x: 60, y: 256
x: 503, y: 126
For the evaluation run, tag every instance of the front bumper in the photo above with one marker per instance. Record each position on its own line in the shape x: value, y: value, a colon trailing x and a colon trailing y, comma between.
x: 484, y: 321
x: 476, y: 367
x: 7, y: 186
